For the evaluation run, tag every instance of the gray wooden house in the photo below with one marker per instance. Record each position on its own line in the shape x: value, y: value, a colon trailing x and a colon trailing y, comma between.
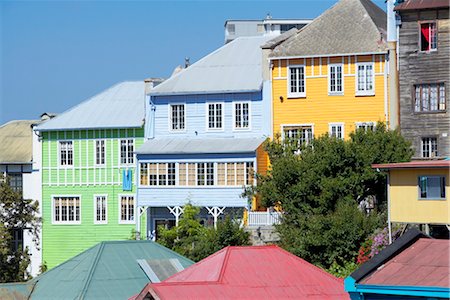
x: 424, y: 56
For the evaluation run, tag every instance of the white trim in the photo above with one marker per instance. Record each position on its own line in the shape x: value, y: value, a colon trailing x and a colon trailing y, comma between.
x: 169, y: 118
x: 53, y: 210
x: 365, y: 124
x: 249, y: 115
x: 341, y: 124
x: 95, y: 209
x: 120, y: 208
x: 365, y: 92
x: 326, y: 55
x: 296, y: 125
x: 128, y: 164
x: 207, y: 129
x: 288, y: 78
x: 95, y: 151
x: 335, y: 93
x: 59, y: 154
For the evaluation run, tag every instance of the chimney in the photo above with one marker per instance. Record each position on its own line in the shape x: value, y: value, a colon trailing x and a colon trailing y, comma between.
x: 187, y: 63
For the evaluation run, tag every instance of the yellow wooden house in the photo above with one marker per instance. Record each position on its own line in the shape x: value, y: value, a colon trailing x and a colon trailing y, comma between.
x: 331, y: 76
x: 418, y: 192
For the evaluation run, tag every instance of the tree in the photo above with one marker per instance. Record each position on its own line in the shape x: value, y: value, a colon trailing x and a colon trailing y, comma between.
x: 195, y: 241
x: 319, y: 187
x: 16, y: 214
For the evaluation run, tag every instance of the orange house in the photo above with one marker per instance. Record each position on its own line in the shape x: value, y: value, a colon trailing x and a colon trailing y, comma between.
x: 331, y: 76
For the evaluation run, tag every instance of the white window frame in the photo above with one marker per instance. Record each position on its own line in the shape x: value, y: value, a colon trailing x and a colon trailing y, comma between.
x: 104, y: 152
x: 249, y: 116
x: 365, y: 124
x: 54, y: 222
x: 59, y: 154
x: 365, y: 92
x: 95, y: 209
x: 296, y: 94
x: 430, y: 138
x: 170, y: 118
x: 297, y: 125
x: 120, y: 209
x: 429, y: 30
x: 333, y: 93
x: 330, y: 127
x: 207, y: 116
x: 120, y: 152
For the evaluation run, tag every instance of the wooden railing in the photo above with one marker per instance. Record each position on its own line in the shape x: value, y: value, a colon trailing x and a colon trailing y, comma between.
x: 259, y: 218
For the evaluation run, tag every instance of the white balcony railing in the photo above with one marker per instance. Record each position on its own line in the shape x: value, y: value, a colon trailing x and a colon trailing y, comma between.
x: 260, y: 218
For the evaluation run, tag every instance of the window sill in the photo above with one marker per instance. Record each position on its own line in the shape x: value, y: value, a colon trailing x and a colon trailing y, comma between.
x: 433, y: 112
x: 293, y: 96
x: 432, y: 199
x: 66, y: 223
x: 127, y: 222
x: 335, y: 93
x: 100, y: 223
x: 369, y: 94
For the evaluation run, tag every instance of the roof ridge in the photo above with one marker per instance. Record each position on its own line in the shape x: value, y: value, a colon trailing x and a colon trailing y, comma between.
x: 224, y: 263
x: 91, y: 271
x: 301, y: 260
x: 369, y: 13
x: 14, y: 121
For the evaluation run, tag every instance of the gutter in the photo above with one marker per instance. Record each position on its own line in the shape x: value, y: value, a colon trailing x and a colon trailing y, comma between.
x: 205, y: 92
x: 326, y: 55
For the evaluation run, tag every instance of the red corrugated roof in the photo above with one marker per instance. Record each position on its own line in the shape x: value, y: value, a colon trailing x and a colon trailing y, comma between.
x: 254, y: 272
x: 441, y: 164
x: 422, y: 4
x: 424, y: 263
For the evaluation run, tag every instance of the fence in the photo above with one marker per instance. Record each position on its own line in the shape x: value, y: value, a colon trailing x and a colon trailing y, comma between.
x: 259, y: 218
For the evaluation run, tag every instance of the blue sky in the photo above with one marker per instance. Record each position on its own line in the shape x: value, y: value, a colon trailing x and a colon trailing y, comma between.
x: 54, y: 55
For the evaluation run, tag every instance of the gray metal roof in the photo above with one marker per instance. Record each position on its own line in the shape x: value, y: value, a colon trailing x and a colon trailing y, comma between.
x: 200, y: 146
x: 234, y: 67
x: 350, y: 26
x: 121, y: 106
x: 16, y: 142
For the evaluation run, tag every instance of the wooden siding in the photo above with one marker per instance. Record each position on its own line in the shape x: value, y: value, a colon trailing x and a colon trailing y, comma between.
x: 196, y: 115
x: 63, y: 241
x: 405, y: 205
x: 422, y: 67
x: 319, y: 108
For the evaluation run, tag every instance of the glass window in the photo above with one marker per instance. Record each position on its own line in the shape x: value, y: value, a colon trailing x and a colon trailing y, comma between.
x: 16, y: 182
x: 432, y: 187
x: 66, y: 153
x: 428, y: 36
x: 365, y: 79
x: 335, y: 79
x: 215, y: 116
x: 366, y: 126
x: 429, y: 147
x: 177, y: 117
x: 127, y: 209
x: 337, y: 131
x: 302, y: 134
x: 100, y: 210
x: 100, y: 152
x: 429, y: 97
x: 126, y: 151
x: 296, y: 81
x: 66, y: 210
x: 242, y: 115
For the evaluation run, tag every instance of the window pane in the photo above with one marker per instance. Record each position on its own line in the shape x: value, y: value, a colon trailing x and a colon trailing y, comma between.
x: 144, y: 174
x: 200, y: 174
x: 171, y: 174
x: 191, y: 174
x: 231, y: 174
x: 221, y: 173
x: 240, y: 173
x: 182, y: 174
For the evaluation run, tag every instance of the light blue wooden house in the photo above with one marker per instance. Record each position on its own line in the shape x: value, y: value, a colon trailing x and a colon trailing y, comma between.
x: 204, y: 131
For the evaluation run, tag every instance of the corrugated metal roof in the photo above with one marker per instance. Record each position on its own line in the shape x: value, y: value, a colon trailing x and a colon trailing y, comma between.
x: 200, y: 146
x: 442, y: 164
x: 255, y: 272
x: 16, y: 141
x: 426, y: 263
x: 350, y: 26
x: 109, y: 270
x: 422, y: 4
x: 121, y: 106
x: 234, y: 67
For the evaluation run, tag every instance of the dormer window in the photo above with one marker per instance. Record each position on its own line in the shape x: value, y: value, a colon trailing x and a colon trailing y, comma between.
x: 428, y: 36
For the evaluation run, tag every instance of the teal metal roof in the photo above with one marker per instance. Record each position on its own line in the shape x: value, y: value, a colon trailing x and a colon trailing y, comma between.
x: 109, y: 270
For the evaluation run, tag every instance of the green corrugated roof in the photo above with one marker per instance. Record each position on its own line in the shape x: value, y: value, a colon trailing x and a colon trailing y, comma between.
x: 109, y: 270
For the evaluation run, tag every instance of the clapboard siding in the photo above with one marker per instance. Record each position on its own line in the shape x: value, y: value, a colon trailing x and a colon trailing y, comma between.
x: 196, y: 114
x: 422, y: 67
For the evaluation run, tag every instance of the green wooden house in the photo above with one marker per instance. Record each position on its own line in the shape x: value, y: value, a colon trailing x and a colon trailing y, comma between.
x: 88, y: 172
